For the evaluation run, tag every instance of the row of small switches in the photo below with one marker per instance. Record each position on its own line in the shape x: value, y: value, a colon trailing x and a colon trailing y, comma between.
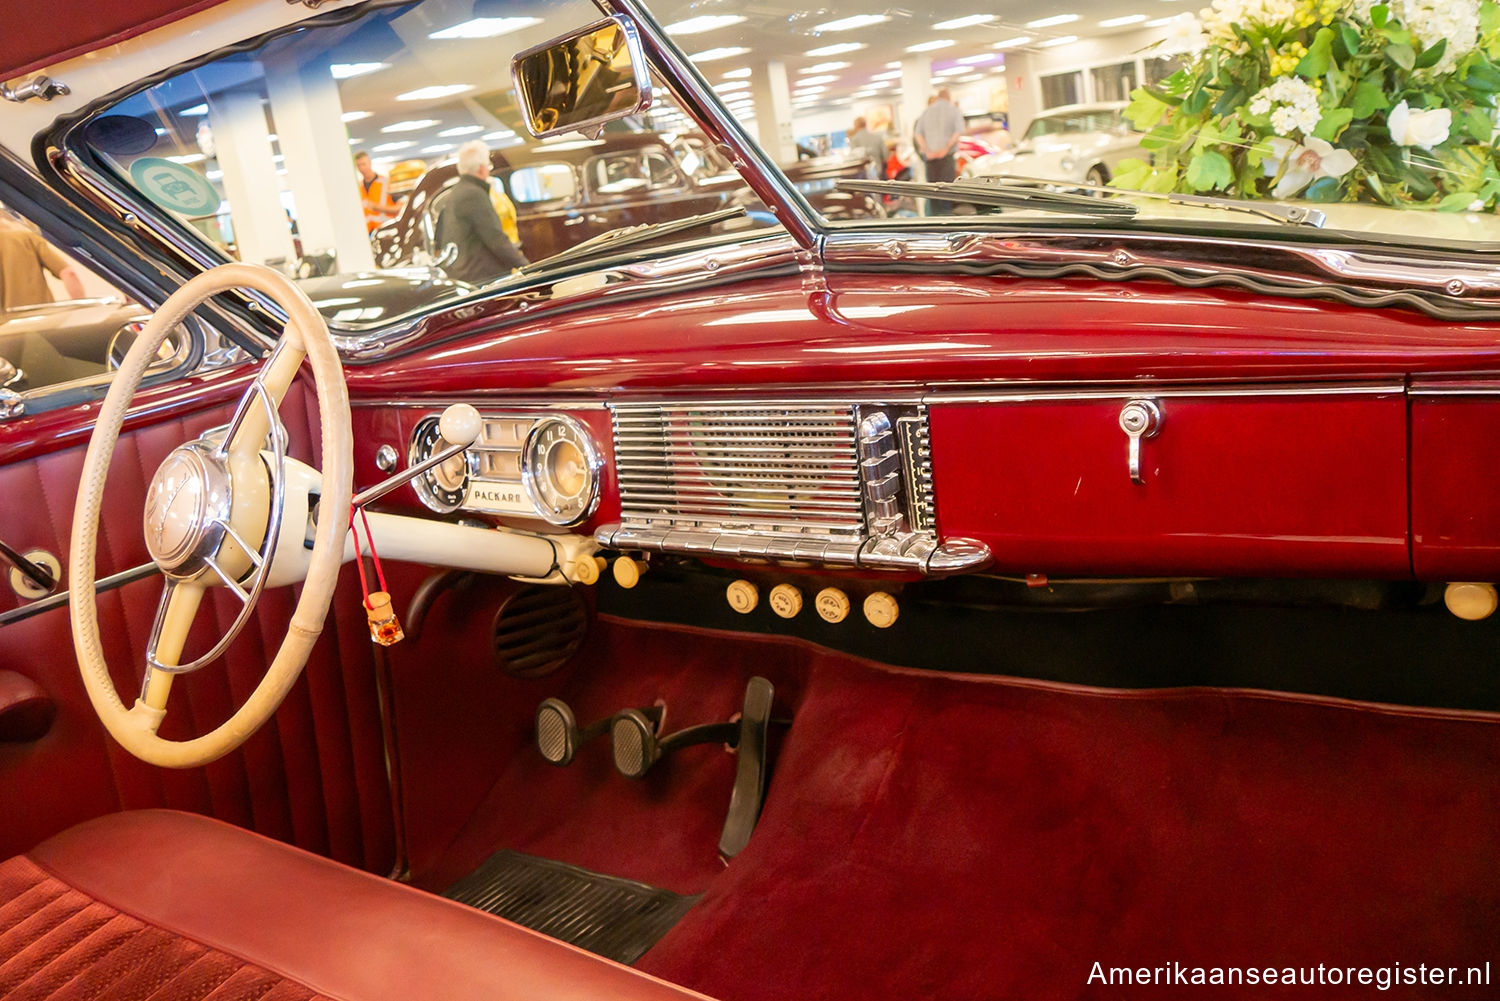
x: 831, y: 603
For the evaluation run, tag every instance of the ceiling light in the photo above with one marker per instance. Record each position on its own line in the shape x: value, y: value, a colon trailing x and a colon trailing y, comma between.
x: 703, y: 22
x: 842, y: 48
x: 983, y: 57
x: 461, y: 130
x: 970, y: 78
x: 1119, y: 22
x: 936, y: 43
x: 434, y: 92
x: 194, y: 111
x: 498, y: 134
x: 951, y: 71
x: 439, y: 148
x: 1053, y: 43
x: 850, y: 23
x: 343, y: 71
x: 729, y: 88
x: 188, y: 158
x: 412, y: 125
x: 354, y: 142
x: 486, y: 27
x: 891, y: 75
x: 964, y: 22
x: 739, y: 74
x: 894, y: 64
x: 1047, y: 22
x: 354, y: 116
x: 1011, y: 43
x: 392, y: 147
x: 825, y: 67
x: 809, y: 91
x: 810, y: 80
x: 726, y: 52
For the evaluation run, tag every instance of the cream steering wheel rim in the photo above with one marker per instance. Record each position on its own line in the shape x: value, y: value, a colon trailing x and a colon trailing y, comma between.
x: 135, y: 728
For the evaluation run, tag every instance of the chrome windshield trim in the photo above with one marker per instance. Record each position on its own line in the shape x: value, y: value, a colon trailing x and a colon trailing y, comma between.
x: 1444, y: 286
x: 697, y: 98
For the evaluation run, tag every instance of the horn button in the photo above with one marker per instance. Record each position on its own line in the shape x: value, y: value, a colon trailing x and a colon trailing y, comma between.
x: 187, y: 510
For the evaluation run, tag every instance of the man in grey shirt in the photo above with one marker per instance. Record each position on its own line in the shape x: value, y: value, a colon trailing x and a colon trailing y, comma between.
x: 862, y: 140
x: 938, y: 130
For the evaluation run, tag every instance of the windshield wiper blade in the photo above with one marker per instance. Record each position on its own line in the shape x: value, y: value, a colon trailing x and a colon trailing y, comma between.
x: 1291, y: 215
x: 992, y: 194
x: 616, y: 239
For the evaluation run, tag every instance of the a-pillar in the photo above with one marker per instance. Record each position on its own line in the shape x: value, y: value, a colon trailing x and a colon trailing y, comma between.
x: 242, y: 143
x: 916, y: 89
x: 773, y: 111
x: 308, y: 112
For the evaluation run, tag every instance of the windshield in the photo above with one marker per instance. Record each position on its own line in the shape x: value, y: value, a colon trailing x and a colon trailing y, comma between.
x: 337, y: 150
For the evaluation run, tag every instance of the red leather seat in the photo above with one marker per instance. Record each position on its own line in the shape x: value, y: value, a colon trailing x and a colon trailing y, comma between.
x: 165, y: 905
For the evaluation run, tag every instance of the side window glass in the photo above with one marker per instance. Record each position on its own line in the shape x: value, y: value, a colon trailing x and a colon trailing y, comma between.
x: 59, y: 322
x: 619, y: 174
x: 660, y: 173
x: 549, y: 182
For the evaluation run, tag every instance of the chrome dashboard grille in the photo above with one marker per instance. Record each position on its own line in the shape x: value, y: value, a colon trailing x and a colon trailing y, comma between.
x: 783, y: 469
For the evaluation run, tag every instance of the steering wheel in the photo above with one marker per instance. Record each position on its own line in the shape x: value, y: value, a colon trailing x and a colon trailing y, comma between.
x: 213, y: 518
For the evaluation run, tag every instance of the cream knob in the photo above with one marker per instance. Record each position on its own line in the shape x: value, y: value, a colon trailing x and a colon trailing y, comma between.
x: 586, y: 570
x: 832, y: 604
x: 460, y: 425
x: 881, y: 609
x: 628, y: 572
x: 743, y: 596
x: 785, y: 601
x: 1471, y: 601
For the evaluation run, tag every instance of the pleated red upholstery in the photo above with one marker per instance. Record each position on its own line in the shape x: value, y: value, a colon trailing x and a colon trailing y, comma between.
x: 61, y: 945
x: 314, y: 777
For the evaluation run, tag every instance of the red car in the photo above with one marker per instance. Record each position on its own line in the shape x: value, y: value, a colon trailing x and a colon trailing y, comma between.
x: 1060, y: 594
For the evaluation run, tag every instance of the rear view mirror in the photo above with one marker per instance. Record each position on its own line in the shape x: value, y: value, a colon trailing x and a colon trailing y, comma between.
x: 582, y: 80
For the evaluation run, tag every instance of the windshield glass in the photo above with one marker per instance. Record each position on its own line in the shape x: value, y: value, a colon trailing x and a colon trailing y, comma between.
x: 336, y: 151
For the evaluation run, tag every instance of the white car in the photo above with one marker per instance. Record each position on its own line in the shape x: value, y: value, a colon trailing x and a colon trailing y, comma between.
x: 1076, y: 142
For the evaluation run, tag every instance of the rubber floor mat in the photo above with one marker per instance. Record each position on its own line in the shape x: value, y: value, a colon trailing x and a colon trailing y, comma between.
x: 612, y: 917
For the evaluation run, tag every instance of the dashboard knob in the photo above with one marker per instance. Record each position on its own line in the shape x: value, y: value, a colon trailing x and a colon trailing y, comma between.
x: 460, y: 425
x: 832, y: 604
x: 743, y: 596
x: 628, y: 572
x: 785, y: 600
x: 585, y: 570
x: 881, y: 609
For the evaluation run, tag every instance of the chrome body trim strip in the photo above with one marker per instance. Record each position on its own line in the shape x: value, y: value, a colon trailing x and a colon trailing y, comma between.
x: 1130, y: 391
x: 1471, y: 387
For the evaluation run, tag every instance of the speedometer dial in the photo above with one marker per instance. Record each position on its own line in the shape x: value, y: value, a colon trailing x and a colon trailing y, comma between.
x: 560, y: 470
x: 444, y: 486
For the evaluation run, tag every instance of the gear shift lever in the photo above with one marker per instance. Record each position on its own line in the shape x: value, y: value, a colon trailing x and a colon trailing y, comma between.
x: 459, y: 425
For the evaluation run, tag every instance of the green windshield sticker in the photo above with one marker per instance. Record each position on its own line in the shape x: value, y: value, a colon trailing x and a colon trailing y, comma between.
x: 174, y: 186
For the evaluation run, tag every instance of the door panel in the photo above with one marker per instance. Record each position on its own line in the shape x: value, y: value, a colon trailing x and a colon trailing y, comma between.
x: 315, y: 776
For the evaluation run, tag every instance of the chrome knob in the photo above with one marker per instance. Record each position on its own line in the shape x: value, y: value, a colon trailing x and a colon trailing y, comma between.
x: 1139, y: 419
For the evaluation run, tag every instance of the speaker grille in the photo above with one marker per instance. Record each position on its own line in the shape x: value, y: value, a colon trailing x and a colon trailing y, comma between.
x: 538, y: 629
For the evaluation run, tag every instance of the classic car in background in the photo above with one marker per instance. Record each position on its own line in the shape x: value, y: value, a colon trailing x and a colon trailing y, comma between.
x: 1078, y: 142
x: 568, y: 192
x: 1087, y: 600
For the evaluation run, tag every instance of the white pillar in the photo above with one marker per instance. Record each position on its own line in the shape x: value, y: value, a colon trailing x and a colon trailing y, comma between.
x: 308, y: 113
x: 773, y: 112
x: 242, y: 144
x: 916, y: 88
x: 1022, y: 92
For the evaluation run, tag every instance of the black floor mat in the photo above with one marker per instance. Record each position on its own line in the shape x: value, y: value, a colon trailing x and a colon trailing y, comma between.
x: 615, y: 918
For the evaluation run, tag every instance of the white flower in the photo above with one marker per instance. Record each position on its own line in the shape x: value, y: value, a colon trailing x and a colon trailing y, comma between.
x: 1305, y: 164
x: 1419, y: 128
x: 1184, y: 34
x: 1430, y: 21
x: 1292, y: 104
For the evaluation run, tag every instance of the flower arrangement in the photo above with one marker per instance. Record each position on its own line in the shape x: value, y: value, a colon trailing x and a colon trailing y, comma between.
x: 1329, y: 100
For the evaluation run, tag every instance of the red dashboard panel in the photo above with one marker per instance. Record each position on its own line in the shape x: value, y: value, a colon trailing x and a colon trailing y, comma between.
x: 1232, y: 485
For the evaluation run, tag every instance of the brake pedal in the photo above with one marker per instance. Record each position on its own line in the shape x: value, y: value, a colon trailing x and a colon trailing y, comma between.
x: 557, y: 734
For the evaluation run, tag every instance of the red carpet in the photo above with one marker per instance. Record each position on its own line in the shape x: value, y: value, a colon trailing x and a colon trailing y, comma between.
x: 931, y: 836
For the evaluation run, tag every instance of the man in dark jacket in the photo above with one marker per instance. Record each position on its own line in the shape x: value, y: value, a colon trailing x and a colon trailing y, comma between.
x: 466, y: 217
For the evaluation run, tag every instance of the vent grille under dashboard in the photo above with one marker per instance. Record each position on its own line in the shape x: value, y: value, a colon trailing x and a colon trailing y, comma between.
x: 826, y: 483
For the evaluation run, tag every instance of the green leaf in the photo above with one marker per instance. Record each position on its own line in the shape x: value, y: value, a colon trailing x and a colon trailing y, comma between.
x: 1196, y: 102
x: 1229, y: 100
x: 1430, y: 56
x: 1324, y: 189
x: 1402, y: 55
x: 1319, y: 55
x: 1169, y: 98
x: 1459, y: 201
x: 1478, y: 124
x: 1208, y: 135
x: 1161, y: 181
x: 1369, y: 97
x: 1380, y: 14
x: 1489, y: 17
x: 1131, y: 174
x: 1332, y: 123
x: 1161, y: 137
x: 1483, y: 76
x: 1209, y: 170
x: 1349, y: 38
x: 1256, y: 153
x: 1145, y: 109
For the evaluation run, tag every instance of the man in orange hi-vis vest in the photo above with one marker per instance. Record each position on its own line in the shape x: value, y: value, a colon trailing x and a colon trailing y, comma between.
x: 374, y: 193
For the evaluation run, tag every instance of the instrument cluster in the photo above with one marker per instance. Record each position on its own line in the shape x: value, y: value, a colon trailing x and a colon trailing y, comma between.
x: 540, y: 466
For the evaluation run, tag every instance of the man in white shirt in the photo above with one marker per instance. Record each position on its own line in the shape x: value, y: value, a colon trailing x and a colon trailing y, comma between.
x: 937, y: 131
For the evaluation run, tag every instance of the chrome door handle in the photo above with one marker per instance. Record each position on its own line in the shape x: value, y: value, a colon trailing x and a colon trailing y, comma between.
x: 1139, y: 419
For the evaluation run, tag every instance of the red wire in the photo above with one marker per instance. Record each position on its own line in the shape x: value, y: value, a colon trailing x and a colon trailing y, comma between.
x: 359, y: 559
x: 374, y: 556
